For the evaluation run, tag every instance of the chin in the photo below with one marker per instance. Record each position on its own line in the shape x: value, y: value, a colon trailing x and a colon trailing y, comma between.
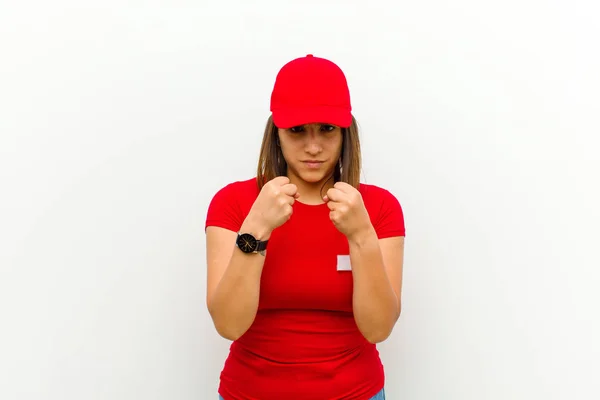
x: 313, y: 176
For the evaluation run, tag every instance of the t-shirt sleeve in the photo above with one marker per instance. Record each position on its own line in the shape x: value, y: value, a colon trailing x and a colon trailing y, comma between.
x: 224, y: 210
x: 390, y: 220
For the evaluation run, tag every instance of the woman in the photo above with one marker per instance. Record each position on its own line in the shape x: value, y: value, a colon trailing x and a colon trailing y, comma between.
x: 304, y: 262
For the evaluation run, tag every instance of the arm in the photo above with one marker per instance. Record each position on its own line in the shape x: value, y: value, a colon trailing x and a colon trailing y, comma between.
x: 377, y: 278
x: 376, y: 263
x: 233, y: 277
x: 233, y: 280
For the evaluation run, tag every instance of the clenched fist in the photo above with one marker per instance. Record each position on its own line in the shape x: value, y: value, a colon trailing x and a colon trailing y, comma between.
x: 273, y: 206
x: 348, y: 212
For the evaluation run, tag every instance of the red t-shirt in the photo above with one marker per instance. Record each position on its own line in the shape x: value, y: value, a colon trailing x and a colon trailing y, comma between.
x: 304, y: 343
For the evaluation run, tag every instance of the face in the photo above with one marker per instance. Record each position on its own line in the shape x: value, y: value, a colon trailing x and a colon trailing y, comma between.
x: 311, y: 151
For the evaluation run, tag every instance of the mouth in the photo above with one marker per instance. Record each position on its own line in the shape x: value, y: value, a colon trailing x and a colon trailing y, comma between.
x: 312, y: 163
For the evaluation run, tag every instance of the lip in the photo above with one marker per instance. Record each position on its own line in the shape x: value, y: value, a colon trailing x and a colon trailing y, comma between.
x: 313, y: 163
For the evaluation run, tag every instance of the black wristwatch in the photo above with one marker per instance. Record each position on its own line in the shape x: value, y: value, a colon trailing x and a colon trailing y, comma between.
x: 249, y: 244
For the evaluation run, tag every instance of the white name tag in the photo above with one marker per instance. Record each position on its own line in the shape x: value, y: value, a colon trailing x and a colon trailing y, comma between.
x: 343, y: 263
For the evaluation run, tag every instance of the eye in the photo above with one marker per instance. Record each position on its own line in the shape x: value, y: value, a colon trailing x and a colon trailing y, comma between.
x: 297, y: 129
x: 327, y: 128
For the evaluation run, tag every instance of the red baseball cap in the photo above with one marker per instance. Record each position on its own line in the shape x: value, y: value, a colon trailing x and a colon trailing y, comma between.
x: 311, y: 90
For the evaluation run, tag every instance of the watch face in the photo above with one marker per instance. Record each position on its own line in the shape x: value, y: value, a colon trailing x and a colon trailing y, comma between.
x: 247, y: 243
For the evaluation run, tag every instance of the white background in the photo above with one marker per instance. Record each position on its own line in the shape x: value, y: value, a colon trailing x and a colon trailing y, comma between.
x: 119, y: 121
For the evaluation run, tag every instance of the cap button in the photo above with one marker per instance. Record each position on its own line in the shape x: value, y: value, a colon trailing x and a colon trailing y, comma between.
x: 309, y: 55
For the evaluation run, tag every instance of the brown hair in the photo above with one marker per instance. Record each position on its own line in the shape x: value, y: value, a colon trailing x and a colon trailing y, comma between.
x: 271, y: 163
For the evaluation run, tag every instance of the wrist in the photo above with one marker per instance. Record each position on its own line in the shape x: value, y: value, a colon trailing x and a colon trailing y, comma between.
x: 362, y: 237
x: 256, y: 228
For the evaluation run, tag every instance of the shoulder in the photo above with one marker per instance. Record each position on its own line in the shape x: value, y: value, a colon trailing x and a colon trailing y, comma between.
x: 385, y: 210
x: 376, y: 194
x: 231, y: 203
x: 244, y: 188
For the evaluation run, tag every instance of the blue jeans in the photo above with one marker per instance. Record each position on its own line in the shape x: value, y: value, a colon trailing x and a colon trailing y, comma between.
x: 378, y: 396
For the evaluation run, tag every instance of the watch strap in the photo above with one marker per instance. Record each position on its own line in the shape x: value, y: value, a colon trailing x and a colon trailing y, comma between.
x: 261, y: 245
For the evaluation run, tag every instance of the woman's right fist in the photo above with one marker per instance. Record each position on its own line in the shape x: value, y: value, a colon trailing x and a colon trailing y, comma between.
x: 273, y: 206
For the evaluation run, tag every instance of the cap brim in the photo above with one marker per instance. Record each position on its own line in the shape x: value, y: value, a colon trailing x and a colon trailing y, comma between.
x: 287, y: 118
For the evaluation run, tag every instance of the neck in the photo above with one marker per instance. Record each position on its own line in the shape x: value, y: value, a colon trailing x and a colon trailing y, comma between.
x: 312, y: 192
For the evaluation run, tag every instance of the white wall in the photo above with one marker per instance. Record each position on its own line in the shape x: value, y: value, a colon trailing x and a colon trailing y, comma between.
x: 118, y: 122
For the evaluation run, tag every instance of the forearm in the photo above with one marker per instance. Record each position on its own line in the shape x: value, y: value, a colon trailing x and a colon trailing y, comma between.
x: 234, y: 303
x: 375, y: 304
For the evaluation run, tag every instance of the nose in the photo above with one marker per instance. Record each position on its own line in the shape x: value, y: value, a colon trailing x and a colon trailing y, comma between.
x: 313, y: 144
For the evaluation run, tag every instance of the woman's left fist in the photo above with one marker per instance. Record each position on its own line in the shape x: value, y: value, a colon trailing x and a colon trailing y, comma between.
x: 348, y: 212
